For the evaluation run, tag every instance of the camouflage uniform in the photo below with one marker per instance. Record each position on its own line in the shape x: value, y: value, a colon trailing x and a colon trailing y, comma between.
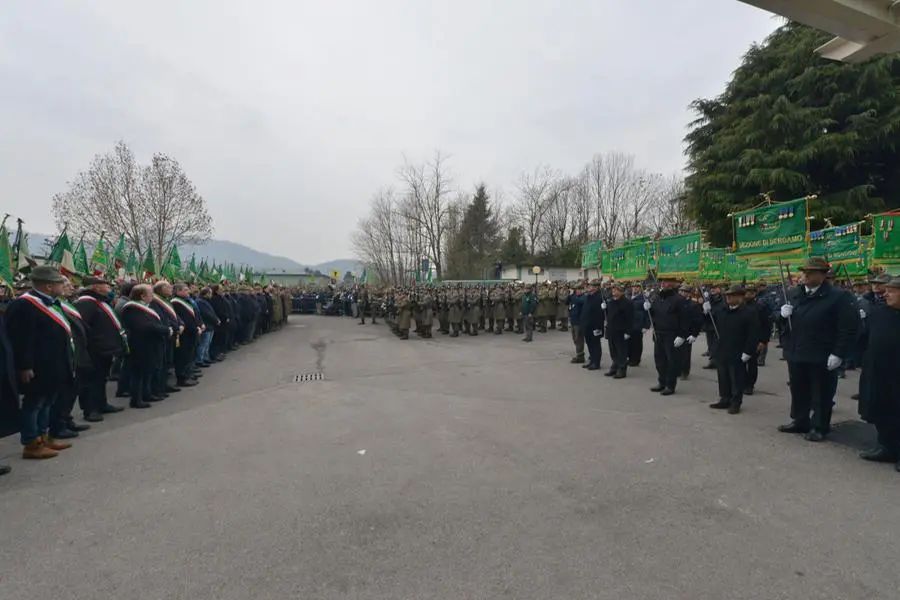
x: 455, y: 312
x: 562, y: 307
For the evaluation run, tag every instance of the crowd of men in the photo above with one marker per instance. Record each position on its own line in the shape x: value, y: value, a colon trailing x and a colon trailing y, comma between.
x: 823, y: 328
x: 59, y: 346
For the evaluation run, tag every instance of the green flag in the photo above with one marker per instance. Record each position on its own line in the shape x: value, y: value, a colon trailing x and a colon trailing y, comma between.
x: 99, y: 259
x: 172, y: 268
x: 837, y: 244
x: 120, y: 254
x: 886, y: 243
x: 22, y: 261
x: 61, y: 254
x: 771, y: 229
x: 131, y: 265
x: 679, y: 255
x: 7, y: 270
x: 80, y: 259
x: 149, y: 264
x: 191, y: 271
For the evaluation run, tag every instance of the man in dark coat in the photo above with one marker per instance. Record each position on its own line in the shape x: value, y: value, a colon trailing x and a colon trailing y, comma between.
x: 738, y: 327
x: 62, y: 425
x: 221, y: 340
x: 105, y: 336
x: 161, y: 303
x: 879, y: 400
x: 822, y: 324
x: 43, y: 358
x: 147, y: 334
x: 187, y: 342
x: 576, y: 306
x: 593, y: 322
x: 619, y: 325
x: 713, y: 304
x: 765, y: 321
x: 695, y: 325
x: 9, y: 392
x: 640, y: 325
x: 671, y: 328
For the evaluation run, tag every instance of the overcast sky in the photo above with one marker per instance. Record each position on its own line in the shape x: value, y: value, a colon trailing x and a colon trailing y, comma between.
x: 288, y: 115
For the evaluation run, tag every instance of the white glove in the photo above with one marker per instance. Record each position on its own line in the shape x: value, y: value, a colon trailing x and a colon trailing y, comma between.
x: 691, y: 339
x: 786, y: 311
x: 679, y: 342
x: 707, y: 307
x: 834, y: 362
x: 626, y: 337
x: 603, y: 305
x: 643, y: 331
x: 646, y: 305
x: 596, y: 333
x: 862, y: 314
x: 745, y: 357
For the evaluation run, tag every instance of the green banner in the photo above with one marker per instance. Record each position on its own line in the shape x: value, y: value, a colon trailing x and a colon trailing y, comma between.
x: 778, y: 227
x: 886, y: 237
x: 631, y: 261
x: 837, y: 244
x: 734, y: 268
x: 712, y: 264
x: 679, y: 255
x: 605, y: 262
x: 590, y: 254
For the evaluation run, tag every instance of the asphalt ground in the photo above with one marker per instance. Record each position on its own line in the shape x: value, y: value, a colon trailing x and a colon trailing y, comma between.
x: 464, y: 468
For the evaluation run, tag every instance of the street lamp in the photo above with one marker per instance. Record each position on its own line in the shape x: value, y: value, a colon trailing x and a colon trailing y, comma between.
x: 537, y: 271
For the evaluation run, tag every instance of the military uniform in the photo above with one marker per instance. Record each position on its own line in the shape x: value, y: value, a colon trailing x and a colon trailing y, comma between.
x: 455, y: 312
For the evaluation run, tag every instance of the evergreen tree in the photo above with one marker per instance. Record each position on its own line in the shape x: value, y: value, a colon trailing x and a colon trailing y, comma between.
x: 473, y: 250
x: 513, y: 250
x: 792, y: 124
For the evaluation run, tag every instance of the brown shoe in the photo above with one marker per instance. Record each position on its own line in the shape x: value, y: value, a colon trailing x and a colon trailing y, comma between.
x: 37, y: 450
x: 52, y: 444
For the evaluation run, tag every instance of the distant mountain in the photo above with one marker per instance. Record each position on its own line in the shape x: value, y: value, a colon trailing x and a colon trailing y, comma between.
x: 225, y: 251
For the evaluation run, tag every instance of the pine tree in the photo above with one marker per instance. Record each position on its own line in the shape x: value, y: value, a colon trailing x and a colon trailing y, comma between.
x: 791, y: 124
x: 474, y: 248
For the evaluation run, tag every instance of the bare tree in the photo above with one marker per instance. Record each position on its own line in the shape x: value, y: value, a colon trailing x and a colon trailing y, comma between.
x: 155, y: 206
x: 427, y: 187
x: 534, y: 196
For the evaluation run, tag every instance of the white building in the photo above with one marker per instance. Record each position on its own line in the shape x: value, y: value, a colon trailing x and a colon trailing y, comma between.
x: 865, y: 28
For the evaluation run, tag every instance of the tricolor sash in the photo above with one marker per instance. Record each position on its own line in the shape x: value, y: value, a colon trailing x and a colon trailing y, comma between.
x: 70, y: 310
x: 142, y: 307
x: 106, y: 308
x: 51, y: 311
x: 166, y: 306
x: 186, y: 305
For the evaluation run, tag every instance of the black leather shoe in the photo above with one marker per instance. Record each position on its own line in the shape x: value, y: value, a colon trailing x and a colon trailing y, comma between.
x: 657, y: 388
x: 577, y: 360
x: 110, y: 409
x: 93, y: 417
x: 793, y: 427
x: 64, y: 434
x: 593, y: 368
x: 749, y: 392
x: 667, y: 392
x: 814, y: 436
x: 879, y: 454
x: 585, y: 366
x: 139, y: 404
x: 172, y: 390
x: 187, y: 383
x: 619, y: 375
x: 609, y: 373
x: 122, y: 394
x: 4, y: 469
x: 720, y: 405
x: 72, y: 425
x: 734, y: 409
x: 156, y: 398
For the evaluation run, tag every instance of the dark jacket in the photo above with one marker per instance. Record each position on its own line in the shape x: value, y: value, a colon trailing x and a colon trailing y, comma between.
x: 619, y: 315
x: 208, y: 314
x: 738, y: 333
x: 879, y: 401
x: 717, y: 305
x: 146, y: 336
x: 764, y: 318
x: 188, y: 315
x: 576, y: 306
x: 592, y: 316
x: 79, y: 338
x: 41, y: 344
x: 103, y: 337
x: 641, y: 317
x: 670, y: 314
x: 825, y: 322
x: 695, y: 318
x: 224, y: 309
x: 9, y: 383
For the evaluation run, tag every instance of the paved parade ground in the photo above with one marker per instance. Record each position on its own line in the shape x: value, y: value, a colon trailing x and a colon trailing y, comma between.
x: 463, y: 468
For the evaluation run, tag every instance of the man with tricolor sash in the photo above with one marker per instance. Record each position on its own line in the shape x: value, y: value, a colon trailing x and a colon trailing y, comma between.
x: 106, y: 339
x: 43, y: 358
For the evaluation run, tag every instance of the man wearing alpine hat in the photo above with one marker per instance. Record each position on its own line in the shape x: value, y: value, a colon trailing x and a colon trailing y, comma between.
x: 822, y: 324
